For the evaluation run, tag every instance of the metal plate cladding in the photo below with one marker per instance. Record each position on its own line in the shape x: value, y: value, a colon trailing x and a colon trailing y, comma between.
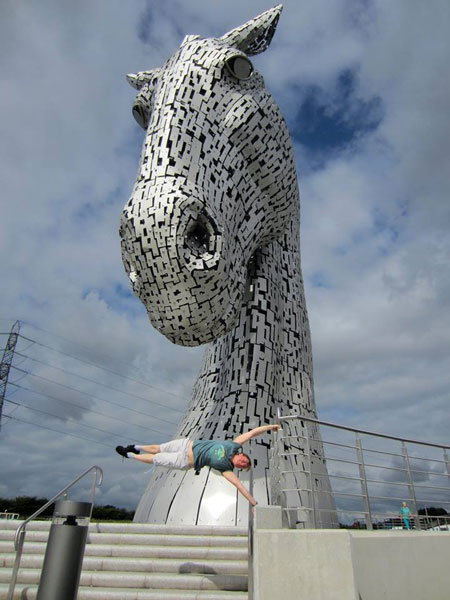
x: 210, y: 242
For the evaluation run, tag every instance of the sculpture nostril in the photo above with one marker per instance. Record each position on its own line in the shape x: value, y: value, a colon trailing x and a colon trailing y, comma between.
x: 198, y: 238
x: 201, y: 242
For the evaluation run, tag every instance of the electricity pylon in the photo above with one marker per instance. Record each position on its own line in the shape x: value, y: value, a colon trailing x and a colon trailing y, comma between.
x: 5, y: 365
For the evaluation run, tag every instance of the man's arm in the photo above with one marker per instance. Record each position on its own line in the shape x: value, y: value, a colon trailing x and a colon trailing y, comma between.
x: 244, y: 437
x: 234, y: 479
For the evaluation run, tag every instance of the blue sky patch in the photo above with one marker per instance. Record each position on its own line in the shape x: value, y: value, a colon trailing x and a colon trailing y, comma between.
x: 118, y: 297
x: 327, y: 122
x: 339, y: 414
x: 148, y: 29
x: 124, y: 292
x: 319, y: 280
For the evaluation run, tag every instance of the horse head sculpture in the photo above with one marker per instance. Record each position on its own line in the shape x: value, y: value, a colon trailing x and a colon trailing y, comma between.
x: 210, y: 241
x: 216, y: 182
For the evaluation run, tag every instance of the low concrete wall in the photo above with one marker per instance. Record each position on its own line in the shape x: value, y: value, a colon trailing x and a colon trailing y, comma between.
x: 331, y: 564
x: 410, y: 565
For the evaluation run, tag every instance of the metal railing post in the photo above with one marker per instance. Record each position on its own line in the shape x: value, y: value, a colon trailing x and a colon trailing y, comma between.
x: 447, y: 465
x: 364, y: 488
x: 275, y: 469
x: 19, y: 548
x: 250, y: 543
x: 411, y: 485
x: 311, y: 483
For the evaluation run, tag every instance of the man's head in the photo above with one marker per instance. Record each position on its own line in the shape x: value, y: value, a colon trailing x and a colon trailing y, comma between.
x: 242, y: 461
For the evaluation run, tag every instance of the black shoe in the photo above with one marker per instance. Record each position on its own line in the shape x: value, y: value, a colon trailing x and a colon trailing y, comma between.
x: 122, y: 451
x: 131, y: 448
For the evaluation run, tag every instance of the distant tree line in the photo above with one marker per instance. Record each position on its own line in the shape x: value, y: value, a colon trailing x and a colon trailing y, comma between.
x: 112, y: 513
x: 27, y: 505
x: 433, y: 511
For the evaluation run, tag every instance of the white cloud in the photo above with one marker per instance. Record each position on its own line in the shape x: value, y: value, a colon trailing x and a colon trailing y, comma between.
x: 375, y: 216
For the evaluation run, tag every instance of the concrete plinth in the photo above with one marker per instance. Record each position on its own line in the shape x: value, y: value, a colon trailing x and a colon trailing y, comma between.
x: 349, y: 565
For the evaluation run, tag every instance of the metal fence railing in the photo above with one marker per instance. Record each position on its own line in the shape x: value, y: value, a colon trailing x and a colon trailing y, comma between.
x: 371, y: 475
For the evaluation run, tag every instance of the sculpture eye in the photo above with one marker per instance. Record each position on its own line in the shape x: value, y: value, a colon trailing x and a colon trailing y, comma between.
x: 240, y: 67
x: 141, y: 107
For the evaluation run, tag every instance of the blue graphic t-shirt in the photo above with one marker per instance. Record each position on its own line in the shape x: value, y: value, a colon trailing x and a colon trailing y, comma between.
x: 215, y: 454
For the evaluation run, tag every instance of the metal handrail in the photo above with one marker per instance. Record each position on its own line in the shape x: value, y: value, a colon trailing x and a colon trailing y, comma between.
x: 386, y: 516
x: 19, y: 537
x: 397, y: 454
x: 363, y: 431
x: 298, y: 447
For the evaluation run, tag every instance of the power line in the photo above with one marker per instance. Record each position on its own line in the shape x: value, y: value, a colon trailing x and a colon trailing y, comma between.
x: 10, y: 417
x: 58, y: 417
x: 12, y: 366
x: 92, y: 396
x: 11, y: 392
x: 86, y: 362
x: 26, y: 348
x: 15, y: 352
x: 99, y: 383
x: 129, y: 365
x: 57, y: 431
x: 95, y: 412
x: 23, y: 349
x: 72, y: 342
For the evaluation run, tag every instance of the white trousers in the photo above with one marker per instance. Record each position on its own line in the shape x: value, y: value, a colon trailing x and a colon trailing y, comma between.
x: 173, y: 455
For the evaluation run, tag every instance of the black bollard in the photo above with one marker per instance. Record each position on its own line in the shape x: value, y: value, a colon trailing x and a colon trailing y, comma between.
x: 61, y: 571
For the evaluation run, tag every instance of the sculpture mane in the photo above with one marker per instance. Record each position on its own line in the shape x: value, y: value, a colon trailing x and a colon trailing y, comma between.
x: 210, y: 241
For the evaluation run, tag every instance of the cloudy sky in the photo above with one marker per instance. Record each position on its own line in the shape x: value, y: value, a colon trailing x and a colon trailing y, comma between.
x: 364, y: 87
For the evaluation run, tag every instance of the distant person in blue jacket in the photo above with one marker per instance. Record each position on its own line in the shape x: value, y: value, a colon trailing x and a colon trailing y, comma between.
x: 185, y: 454
x: 405, y: 514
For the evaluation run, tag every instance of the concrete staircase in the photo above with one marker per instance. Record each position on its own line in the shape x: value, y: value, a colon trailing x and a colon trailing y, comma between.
x: 132, y: 561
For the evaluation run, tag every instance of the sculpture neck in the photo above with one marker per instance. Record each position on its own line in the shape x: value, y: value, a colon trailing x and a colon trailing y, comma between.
x: 265, y: 361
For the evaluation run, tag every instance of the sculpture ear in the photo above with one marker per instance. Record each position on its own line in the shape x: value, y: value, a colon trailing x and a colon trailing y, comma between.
x: 138, y: 80
x: 189, y: 38
x: 255, y: 36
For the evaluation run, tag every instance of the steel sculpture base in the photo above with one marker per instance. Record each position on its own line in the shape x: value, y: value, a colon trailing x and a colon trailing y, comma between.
x: 263, y: 364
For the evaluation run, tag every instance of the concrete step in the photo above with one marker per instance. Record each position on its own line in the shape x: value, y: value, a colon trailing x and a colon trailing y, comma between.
x: 159, y: 539
x: 157, y: 565
x: 14, y: 524
x: 107, y: 527
x: 27, y: 592
x: 209, y: 530
x: 133, y: 561
x: 133, y: 551
x: 135, y: 579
